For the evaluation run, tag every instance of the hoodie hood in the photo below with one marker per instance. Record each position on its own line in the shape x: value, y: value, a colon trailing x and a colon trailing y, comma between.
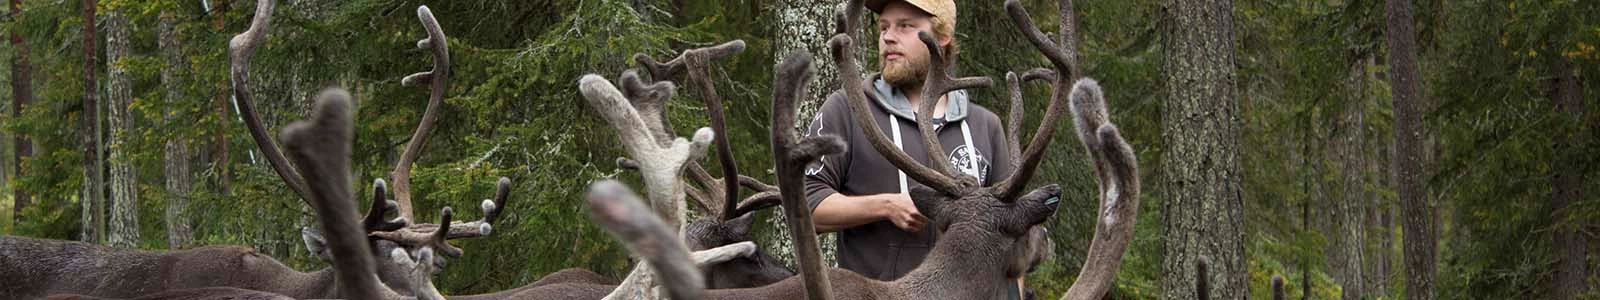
x: 896, y: 103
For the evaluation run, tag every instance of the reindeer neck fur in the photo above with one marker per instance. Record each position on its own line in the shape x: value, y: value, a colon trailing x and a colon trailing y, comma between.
x: 38, y: 267
x: 268, y: 275
x: 44, y: 266
x: 968, y: 262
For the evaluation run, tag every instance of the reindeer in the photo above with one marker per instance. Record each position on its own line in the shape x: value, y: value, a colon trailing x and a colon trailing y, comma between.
x: 389, y: 235
x: 726, y: 221
x: 639, y: 116
x: 322, y: 146
x: 35, y: 267
x: 985, y: 227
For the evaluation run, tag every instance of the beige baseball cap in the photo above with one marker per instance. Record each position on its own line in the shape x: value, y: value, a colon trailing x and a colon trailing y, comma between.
x: 944, y: 10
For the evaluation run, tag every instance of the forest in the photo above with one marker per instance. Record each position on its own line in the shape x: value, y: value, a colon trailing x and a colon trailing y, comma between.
x: 1351, y: 149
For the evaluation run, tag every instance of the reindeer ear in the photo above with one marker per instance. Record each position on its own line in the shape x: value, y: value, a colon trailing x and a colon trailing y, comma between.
x: 1029, y: 251
x: 928, y: 201
x: 315, y: 243
x: 740, y: 226
x: 1038, y: 206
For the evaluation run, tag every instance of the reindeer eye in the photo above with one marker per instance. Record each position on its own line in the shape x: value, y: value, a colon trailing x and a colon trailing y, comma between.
x: 1052, y: 200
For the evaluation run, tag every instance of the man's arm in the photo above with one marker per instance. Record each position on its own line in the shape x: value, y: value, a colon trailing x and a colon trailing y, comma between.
x: 833, y: 211
x: 839, y: 212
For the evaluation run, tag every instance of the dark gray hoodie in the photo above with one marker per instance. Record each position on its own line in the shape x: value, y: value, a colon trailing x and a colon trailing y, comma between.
x: 973, y: 137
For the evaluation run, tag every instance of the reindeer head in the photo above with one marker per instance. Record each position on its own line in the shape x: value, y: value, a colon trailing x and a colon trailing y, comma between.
x: 384, y: 236
x: 756, y: 269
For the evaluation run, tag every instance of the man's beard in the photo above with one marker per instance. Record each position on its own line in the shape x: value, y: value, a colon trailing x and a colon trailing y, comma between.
x: 905, y: 72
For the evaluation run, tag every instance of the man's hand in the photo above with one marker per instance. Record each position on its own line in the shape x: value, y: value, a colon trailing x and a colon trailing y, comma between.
x: 840, y: 212
x: 899, y: 210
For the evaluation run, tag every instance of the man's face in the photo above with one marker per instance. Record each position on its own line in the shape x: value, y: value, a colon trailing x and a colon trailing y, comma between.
x: 904, y: 59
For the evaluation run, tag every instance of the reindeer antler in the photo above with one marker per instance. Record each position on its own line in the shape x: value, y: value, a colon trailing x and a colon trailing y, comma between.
x: 240, y: 49
x: 381, y: 205
x: 420, y: 234
x: 664, y: 71
x: 1064, y: 56
x: 794, y: 73
x: 440, y: 78
x: 659, y: 161
x: 420, y: 271
x: 1119, y: 197
x: 322, y: 146
x: 697, y: 64
x: 1013, y: 185
x: 620, y: 212
x: 423, y: 234
x: 937, y: 84
x: 1015, y: 114
x: 1116, y: 167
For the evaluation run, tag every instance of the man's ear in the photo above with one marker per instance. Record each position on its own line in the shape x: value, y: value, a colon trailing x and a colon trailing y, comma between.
x: 928, y: 201
x: 316, y: 243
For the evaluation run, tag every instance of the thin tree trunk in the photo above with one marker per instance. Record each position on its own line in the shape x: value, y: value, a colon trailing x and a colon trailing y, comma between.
x: 1202, y: 210
x: 1347, y: 256
x: 224, y: 172
x: 1380, y: 211
x: 1376, y: 209
x: 21, y: 95
x: 1416, y: 214
x: 93, y: 193
x: 124, y: 187
x: 1569, y: 242
x: 176, y: 154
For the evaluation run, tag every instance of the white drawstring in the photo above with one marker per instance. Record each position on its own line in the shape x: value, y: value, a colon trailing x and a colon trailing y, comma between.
x: 971, y: 167
x: 894, y: 124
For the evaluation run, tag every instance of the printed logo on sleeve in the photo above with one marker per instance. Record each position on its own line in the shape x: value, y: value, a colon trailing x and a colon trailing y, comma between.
x: 814, y: 168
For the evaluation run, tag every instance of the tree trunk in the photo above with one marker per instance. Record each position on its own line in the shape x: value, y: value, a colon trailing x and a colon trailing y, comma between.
x: 176, y: 151
x: 1202, y: 211
x: 21, y: 95
x: 224, y: 172
x: 805, y: 26
x: 1569, y: 242
x: 93, y: 193
x: 1347, y: 257
x: 1376, y: 210
x: 1416, y: 214
x: 124, y: 187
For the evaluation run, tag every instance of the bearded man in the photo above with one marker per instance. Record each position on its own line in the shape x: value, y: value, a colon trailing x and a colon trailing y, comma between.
x: 859, y: 194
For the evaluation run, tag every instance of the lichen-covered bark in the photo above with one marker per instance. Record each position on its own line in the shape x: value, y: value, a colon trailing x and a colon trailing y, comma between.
x: 1202, y: 209
x: 806, y: 26
x: 1347, y: 256
x: 176, y: 150
x: 803, y: 26
x: 1416, y: 213
x: 124, y: 230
